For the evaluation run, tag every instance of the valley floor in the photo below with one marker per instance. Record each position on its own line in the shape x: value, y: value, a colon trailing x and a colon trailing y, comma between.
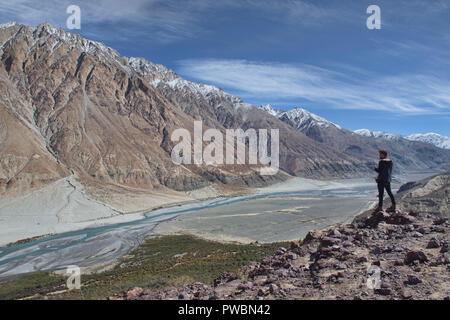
x: 288, y: 210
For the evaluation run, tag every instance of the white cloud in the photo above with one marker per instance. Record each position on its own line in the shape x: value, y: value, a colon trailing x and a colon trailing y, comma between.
x: 164, y: 20
x: 161, y: 20
x: 405, y: 94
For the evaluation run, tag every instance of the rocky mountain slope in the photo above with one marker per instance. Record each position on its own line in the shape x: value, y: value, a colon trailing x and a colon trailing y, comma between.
x: 71, y: 106
x: 395, y: 256
x: 400, y: 255
x: 299, y: 155
x: 364, y: 144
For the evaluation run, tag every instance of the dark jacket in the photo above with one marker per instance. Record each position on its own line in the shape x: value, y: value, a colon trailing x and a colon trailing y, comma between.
x: 384, y: 170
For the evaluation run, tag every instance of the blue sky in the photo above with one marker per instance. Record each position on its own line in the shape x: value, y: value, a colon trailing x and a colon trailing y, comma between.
x: 313, y: 54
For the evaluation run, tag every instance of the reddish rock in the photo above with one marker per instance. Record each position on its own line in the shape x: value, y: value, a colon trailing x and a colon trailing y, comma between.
x: 440, y: 221
x: 433, y: 243
x: 329, y: 241
x: 312, y: 236
x: 413, y: 279
x: 399, y: 219
x: 334, y: 233
x: 361, y: 260
x: 135, y: 292
x: 413, y: 256
x: 294, y: 244
x: 413, y: 213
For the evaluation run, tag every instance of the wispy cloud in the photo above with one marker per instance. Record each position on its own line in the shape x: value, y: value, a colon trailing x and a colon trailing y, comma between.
x: 301, y: 12
x: 165, y: 20
x: 405, y: 94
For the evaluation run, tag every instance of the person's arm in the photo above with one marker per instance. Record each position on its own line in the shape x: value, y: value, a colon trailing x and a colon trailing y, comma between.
x: 377, y: 169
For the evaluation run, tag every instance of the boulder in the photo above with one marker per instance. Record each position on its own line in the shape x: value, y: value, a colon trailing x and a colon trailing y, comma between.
x: 334, y: 233
x: 329, y: 241
x: 412, y: 256
x: 294, y: 244
x: 135, y: 292
x: 312, y: 236
x: 399, y: 218
x: 433, y: 243
x: 440, y: 221
x: 445, y: 247
x: 413, y: 279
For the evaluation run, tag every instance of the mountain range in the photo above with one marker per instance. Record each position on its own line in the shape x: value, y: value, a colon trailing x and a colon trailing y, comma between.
x: 435, y: 139
x: 408, y: 153
x: 74, y: 107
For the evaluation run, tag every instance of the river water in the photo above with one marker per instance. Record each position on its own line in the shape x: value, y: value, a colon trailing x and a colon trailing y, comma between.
x: 103, y: 245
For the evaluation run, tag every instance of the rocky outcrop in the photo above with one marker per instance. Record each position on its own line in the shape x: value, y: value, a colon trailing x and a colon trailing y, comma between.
x: 383, y: 256
x: 431, y: 195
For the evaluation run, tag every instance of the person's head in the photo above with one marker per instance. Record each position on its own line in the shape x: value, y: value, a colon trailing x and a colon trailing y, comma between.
x: 383, y: 154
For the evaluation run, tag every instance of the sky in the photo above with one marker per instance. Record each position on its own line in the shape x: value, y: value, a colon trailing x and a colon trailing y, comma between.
x: 318, y: 54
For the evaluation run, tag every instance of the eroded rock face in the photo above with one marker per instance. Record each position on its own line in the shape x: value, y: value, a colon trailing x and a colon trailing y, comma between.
x: 70, y: 106
x: 355, y: 261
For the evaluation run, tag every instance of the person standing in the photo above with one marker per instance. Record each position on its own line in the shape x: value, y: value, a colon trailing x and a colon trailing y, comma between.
x: 383, y: 180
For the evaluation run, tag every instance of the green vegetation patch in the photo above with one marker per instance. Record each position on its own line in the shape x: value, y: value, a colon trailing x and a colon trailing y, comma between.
x: 159, y: 262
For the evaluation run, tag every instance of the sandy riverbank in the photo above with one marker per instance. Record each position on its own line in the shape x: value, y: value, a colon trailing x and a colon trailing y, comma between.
x: 65, y: 206
x: 280, y: 212
x: 266, y: 220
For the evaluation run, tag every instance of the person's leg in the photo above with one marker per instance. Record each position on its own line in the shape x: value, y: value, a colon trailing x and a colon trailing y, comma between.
x: 380, y: 195
x: 389, y: 192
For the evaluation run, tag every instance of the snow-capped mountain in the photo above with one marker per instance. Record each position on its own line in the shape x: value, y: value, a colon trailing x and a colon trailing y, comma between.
x: 78, y: 107
x: 301, y: 119
x: 435, y: 139
x: 167, y: 81
x: 378, y: 134
x: 438, y: 140
x: 120, y: 113
x: 270, y: 110
x: 363, y: 144
x: 8, y: 24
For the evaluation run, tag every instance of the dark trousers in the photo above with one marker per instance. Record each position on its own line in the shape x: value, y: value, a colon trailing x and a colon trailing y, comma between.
x: 381, y: 187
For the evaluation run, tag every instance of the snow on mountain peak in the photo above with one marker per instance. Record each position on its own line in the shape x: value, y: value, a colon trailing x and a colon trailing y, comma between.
x: 8, y: 24
x: 300, y: 118
x: 364, y: 132
x: 56, y: 37
x: 270, y: 110
x: 377, y: 134
x: 305, y: 114
x: 158, y: 75
x: 435, y: 139
x: 156, y: 72
x: 432, y: 138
